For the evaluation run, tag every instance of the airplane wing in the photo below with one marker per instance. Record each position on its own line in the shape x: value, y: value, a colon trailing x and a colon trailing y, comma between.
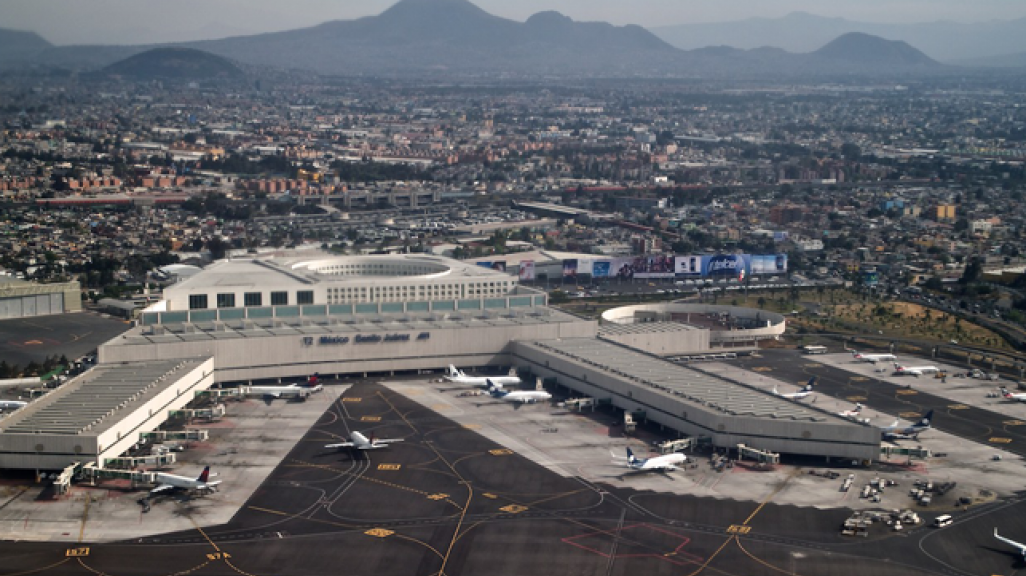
x: 387, y: 440
x: 1010, y: 542
x: 162, y: 488
x: 341, y: 445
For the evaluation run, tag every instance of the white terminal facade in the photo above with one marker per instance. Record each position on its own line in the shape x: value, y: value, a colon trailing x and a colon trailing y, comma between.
x: 259, y: 320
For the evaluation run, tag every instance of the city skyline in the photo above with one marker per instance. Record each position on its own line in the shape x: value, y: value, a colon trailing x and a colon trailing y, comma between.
x: 65, y: 22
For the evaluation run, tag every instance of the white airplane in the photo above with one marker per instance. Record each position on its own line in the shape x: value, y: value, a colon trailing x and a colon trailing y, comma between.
x: 167, y: 483
x: 874, y: 358
x: 12, y: 404
x: 1012, y: 543
x: 914, y: 370
x: 1020, y: 397
x: 803, y: 393
x: 518, y: 396
x: 853, y: 413
x: 286, y: 391
x: 666, y: 463
x: 457, y: 376
x: 360, y: 442
x: 895, y: 432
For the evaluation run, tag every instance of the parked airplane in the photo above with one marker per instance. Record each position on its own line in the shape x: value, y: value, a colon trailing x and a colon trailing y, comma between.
x: 287, y: 391
x: 360, y: 442
x: 803, y: 393
x: 666, y: 463
x: 1012, y: 543
x: 1020, y: 397
x: 521, y: 396
x: 914, y: 370
x: 457, y: 376
x: 894, y: 432
x: 12, y: 404
x: 168, y: 483
x: 853, y: 413
x: 874, y: 358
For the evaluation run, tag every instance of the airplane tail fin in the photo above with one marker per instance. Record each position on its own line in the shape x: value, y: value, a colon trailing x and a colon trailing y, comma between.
x: 775, y: 391
x: 631, y: 457
x: 927, y: 419
x: 205, y: 475
x: 453, y: 372
x: 810, y: 383
x: 858, y: 408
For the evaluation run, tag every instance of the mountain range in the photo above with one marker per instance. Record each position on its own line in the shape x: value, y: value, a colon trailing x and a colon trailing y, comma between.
x: 437, y: 37
x: 980, y: 43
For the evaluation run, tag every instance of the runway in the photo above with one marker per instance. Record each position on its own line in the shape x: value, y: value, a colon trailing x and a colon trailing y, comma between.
x: 446, y: 501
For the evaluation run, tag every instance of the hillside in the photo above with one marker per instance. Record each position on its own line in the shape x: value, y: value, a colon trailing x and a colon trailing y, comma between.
x: 866, y: 50
x: 173, y: 63
x: 15, y: 44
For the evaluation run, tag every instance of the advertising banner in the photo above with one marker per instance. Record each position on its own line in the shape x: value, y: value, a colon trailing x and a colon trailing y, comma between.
x: 648, y: 267
x: 601, y: 268
x: 527, y: 270
x: 688, y: 266
x: 570, y: 268
x: 584, y: 267
x: 724, y: 266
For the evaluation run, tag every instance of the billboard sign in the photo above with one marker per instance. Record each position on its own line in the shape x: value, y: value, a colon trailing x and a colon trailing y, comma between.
x: 527, y: 270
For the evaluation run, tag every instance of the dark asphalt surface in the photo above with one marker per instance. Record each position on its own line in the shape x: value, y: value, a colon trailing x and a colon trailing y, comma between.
x: 890, y: 395
x: 23, y: 340
x: 448, y: 501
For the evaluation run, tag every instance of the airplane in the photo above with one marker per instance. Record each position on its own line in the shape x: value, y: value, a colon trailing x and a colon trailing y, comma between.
x: 360, y: 442
x: 874, y: 358
x: 803, y: 393
x: 457, y: 376
x: 1012, y: 543
x: 168, y: 483
x: 521, y: 396
x: 666, y: 463
x: 295, y: 391
x: 914, y: 370
x: 894, y: 432
x: 12, y: 404
x: 853, y: 413
x: 1020, y: 397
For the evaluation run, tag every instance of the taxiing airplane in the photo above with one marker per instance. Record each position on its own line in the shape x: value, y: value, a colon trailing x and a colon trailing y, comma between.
x: 803, y: 393
x: 518, y: 396
x: 873, y: 358
x: 12, y: 404
x: 666, y: 463
x: 895, y: 432
x: 1012, y: 543
x: 914, y: 370
x: 457, y: 376
x: 168, y: 483
x: 360, y: 442
x: 1020, y: 397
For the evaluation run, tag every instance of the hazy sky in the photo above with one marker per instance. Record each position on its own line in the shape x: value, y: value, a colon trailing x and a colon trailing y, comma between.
x: 150, y: 21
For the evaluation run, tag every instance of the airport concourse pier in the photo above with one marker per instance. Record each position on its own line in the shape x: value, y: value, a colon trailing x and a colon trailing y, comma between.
x: 101, y: 414
x: 696, y: 403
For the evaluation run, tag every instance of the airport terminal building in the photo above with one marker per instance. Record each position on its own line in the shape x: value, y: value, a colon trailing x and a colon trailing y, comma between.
x: 274, y: 319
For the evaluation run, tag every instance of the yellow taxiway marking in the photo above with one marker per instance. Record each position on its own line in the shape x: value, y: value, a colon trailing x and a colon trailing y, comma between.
x: 513, y: 508
x: 500, y: 452
x: 958, y: 407
x: 999, y: 440
x: 906, y: 392
x: 489, y: 495
x: 77, y: 552
x: 370, y: 418
x: 814, y: 365
x: 1014, y: 422
x: 858, y: 378
x: 857, y: 398
x: 471, y: 426
x: 218, y: 556
x: 762, y: 369
x: 909, y: 414
x: 738, y: 529
x: 379, y: 532
x: 438, y: 496
x: 352, y: 399
x: 298, y: 517
x: 33, y: 342
x: 389, y: 466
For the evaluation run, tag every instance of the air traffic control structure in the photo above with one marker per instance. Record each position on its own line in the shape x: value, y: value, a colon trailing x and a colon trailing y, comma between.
x: 695, y: 403
x: 101, y: 414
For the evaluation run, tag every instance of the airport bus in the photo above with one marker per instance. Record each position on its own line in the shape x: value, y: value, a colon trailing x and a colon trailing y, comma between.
x: 814, y: 349
x: 942, y: 521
